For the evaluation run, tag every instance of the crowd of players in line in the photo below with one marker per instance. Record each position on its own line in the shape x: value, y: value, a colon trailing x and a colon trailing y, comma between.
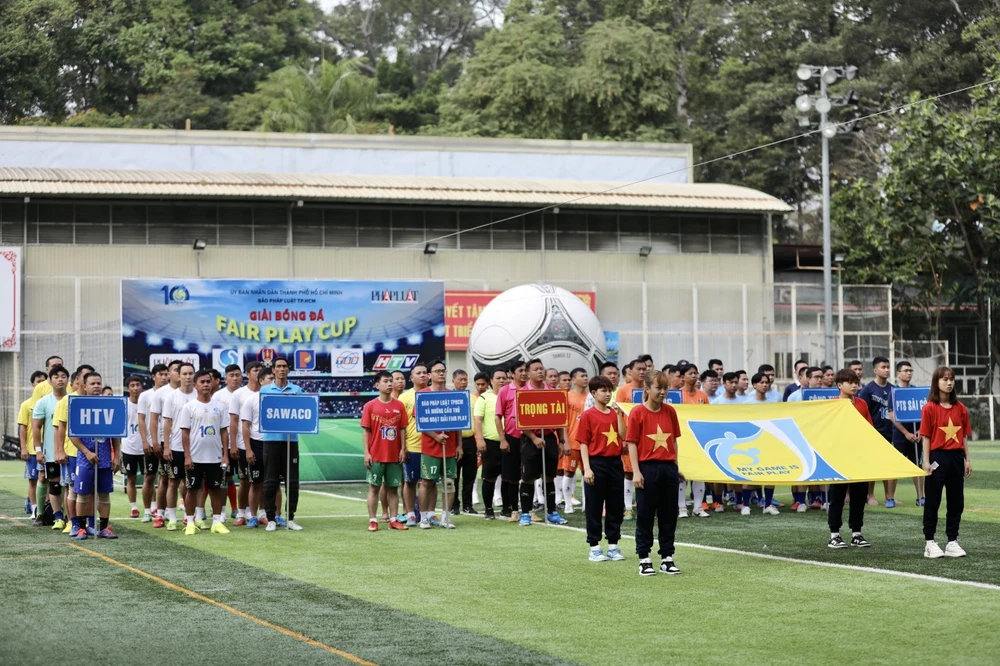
x: 192, y: 430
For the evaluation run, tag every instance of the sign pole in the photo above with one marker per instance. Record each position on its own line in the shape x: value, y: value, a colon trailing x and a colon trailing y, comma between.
x: 444, y: 485
x: 288, y: 473
x: 545, y: 482
x: 97, y: 465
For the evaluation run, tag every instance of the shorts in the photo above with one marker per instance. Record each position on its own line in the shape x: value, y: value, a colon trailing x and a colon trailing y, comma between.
x: 430, y: 468
x: 242, y: 467
x: 67, y: 473
x: 569, y: 464
x: 627, y: 463
x: 133, y: 463
x: 84, y: 484
x: 31, y: 468
x: 255, y: 472
x: 388, y: 474
x: 411, y: 468
x: 912, y: 452
x: 205, y: 474
x: 149, y: 465
x: 177, y: 470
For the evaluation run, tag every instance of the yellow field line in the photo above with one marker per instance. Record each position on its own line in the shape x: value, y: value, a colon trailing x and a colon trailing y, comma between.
x: 200, y: 597
x: 38, y: 557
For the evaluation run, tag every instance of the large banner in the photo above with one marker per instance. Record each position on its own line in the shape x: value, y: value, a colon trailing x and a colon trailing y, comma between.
x: 823, y: 441
x: 10, y: 296
x: 334, y: 334
x: 462, y: 308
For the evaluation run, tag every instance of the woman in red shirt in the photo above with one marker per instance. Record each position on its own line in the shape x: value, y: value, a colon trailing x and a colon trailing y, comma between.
x: 651, y: 435
x: 944, y: 425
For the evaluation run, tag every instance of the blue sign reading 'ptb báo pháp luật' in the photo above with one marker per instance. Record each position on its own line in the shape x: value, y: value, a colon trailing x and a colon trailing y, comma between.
x: 442, y: 411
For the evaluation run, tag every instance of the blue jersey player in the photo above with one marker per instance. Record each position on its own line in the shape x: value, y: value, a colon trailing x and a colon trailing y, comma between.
x: 100, y: 453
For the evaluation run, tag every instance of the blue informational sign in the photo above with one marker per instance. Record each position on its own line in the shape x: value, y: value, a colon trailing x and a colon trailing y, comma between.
x: 908, y: 403
x: 674, y: 397
x: 98, y: 416
x: 442, y: 411
x: 637, y: 395
x: 820, y: 394
x: 289, y: 414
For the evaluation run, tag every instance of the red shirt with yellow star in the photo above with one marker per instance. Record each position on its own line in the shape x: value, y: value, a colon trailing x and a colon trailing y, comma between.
x: 947, y: 427
x: 654, y: 433
x: 599, y: 433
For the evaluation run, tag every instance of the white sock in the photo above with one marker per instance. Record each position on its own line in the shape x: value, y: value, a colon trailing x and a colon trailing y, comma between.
x: 497, y: 497
x: 152, y: 507
x: 681, y: 493
x: 412, y: 516
x: 261, y: 513
x: 854, y: 534
x: 930, y: 542
x: 34, y: 509
x: 559, y: 488
x: 189, y: 518
x: 135, y: 506
x: 247, y: 513
x: 698, y: 489
x: 158, y: 512
x: 475, y: 493
x: 171, y: 514
x: 199, y: 513
x: 834, y: 535
x: 629, y: 490
x: 218, y: 518
x: 539, y: 493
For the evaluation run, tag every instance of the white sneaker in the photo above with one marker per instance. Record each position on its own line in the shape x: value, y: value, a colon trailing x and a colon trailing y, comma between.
x: 745, y: 511
x: 569, y: 508
x: 294, y: 526
x: 701, y: 513
x: 574, y: 501
x: 447, y: 524
x: 682, y: 513
x: 425, y: 523
x: 771, y: 510
x: 826, y: 506
x: 271, y: 526
x: 932, y: 551
x: 952, y: 549
x: 803, y: 507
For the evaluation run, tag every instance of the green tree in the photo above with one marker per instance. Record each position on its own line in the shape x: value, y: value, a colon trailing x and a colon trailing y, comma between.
x: 31, y: 37
x: 333, y: 98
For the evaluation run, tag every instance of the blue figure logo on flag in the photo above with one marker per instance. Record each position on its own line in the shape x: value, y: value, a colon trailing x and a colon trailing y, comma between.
x: 763, y: 451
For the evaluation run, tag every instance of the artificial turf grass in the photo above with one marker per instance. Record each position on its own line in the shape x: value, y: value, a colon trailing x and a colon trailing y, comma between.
x: 117, y: 612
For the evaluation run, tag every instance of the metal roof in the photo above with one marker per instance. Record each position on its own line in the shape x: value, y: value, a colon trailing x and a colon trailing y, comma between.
x: 384, y: 189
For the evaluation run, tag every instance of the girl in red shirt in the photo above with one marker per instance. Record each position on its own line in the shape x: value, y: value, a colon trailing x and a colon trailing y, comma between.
x: 651, y: 435
x: 944, y: 425
x: 848, y: 383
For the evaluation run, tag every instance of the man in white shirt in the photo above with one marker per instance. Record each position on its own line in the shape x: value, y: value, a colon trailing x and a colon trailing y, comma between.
x: 150, y: 444
x: 173, y: 449
x: 133, y: 456
x: 250, y: 426
x: 202, y: 425
x: 233, y: 382
x: 157, y: 401
x: 239, y: 459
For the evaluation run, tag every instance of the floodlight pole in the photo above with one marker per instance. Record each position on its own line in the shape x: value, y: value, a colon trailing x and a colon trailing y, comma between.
x: 828, y: 346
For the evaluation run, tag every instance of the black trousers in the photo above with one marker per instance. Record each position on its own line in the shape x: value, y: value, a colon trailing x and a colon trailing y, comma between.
x: 856, y: 514
x: 492, y: 468
x: 276, y: 466
x: 531, y: 462
x: 656, y: 502
x: 608, y: 491
x: 466, y: 474
x: 948, y: 477
x: 510, y: 473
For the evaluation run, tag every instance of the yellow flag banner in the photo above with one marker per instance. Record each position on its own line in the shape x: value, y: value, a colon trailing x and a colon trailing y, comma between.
x: 798, y: 443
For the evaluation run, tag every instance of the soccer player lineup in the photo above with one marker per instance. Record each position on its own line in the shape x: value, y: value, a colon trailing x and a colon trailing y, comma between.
x: 533, y: 422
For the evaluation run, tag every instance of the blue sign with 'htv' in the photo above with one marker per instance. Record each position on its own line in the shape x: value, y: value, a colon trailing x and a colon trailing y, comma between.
x: 98, y: 416
x: 289, y: 413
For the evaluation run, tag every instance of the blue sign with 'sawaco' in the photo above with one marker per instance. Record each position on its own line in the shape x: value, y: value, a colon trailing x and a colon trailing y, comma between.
x: 908, y: 403
x: 442, y: 411
x: 289, y: 414
x: 98, y: 416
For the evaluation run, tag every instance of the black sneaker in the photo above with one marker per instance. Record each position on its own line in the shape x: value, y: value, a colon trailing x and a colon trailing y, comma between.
x: 646, y: 568
x: 860, y: 542
x: 470, y: 510
x: 489, y: 515
x: 667, y: 566
x: 836, y: 542
x: 505, y: 513
x: 455, y: 510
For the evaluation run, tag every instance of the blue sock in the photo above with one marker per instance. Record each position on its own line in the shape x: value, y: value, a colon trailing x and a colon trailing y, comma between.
x: 90, y: 522
x: 58, y: 515
x: 799, y: 497
x: 746, y: 497
x: 822, y: 497
x: 75, y: 521
x: 768, y: 496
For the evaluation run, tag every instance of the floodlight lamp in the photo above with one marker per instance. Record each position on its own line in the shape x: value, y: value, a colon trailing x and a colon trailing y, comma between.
x: 803, y: 121
x: 804, y: 72
x: 199, y: 244
x: 829, y: 130
x: 830, y: 76
x: 803, y: 103
x: 852, y: 98
x: 823, y: 105
x: 645, y: 250
x: 850, y: 71
x: 430, y: 248
x: 839, y: 258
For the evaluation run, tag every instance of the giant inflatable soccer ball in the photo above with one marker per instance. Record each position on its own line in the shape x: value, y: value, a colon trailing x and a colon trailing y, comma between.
x: 537, y: 321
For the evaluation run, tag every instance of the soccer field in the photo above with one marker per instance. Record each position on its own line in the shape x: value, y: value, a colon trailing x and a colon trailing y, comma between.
x: 763, y: 589
x: 335, y: 454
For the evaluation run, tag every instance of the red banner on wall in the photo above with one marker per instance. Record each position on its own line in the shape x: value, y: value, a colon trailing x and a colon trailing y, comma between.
x: 462, y: 308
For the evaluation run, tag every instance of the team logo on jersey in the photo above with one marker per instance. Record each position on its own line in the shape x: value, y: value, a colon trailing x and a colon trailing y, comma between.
x: 389, y: 433
x: 305, y: 359
x: 208, y: 431
x: 267, y: 356
x: 762, y: 451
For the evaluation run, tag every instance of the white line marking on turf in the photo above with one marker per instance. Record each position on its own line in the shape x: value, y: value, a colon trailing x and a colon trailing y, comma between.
x: 345, y: 497
x: 343, y: 455
x: 764, y: 556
